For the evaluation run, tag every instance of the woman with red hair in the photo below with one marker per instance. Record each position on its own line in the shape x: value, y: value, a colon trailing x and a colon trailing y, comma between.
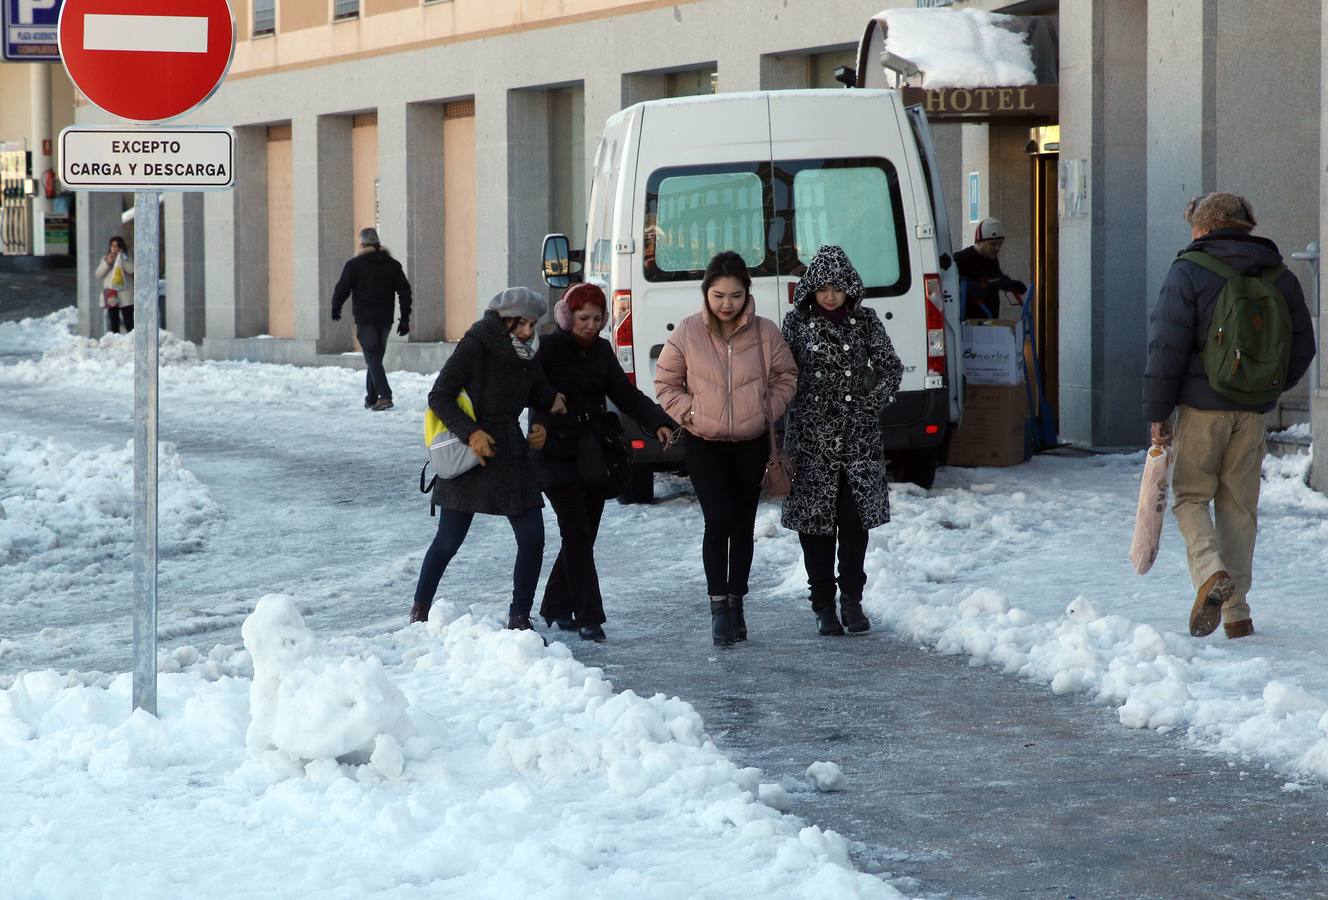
x: 582, y: 366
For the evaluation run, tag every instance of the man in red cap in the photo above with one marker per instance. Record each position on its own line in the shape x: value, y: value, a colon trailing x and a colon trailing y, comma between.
x: 981, y: 272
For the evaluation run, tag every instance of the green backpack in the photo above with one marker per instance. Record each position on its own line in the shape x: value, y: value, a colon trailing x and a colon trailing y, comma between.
x: 1248, y: 349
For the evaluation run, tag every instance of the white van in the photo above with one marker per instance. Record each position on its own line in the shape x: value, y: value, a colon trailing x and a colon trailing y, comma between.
x: 775, y: 175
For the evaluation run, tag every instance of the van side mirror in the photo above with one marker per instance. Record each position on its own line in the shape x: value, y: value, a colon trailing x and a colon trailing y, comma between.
x: 558, y: 259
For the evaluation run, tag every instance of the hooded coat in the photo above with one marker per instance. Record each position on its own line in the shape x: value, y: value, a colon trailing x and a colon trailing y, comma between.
x: 847, y: 373
x: 1179, y: 323
x: 501, y: 385
x: 373, y: 279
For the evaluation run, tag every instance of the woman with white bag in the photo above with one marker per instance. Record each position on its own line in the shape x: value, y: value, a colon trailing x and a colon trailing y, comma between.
x: 116, y: 271
x: 494, y: 365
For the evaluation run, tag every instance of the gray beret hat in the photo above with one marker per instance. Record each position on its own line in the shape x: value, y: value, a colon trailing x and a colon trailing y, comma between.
x: 518, y: 303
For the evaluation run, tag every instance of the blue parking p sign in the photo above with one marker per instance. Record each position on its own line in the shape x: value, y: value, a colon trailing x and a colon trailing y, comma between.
x: 31, y: 30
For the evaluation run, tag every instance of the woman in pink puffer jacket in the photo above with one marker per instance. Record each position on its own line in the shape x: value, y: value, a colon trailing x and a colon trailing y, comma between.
x: 718, y: 372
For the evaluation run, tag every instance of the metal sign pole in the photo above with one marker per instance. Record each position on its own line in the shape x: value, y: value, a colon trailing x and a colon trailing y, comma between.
x: 147, y: 231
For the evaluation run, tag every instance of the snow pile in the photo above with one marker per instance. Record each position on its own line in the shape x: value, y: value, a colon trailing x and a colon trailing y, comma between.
x: 964, y: 48
x: 529, y: 776
x: 309, y: 706
x: 825, y: 776
x: 68, y: 515
x: 36, y: 336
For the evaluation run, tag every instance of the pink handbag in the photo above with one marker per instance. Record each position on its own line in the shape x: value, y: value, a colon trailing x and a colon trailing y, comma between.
x: 777, y: 482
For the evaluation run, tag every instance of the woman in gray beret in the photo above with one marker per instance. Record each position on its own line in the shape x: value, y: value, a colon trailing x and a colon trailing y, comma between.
x: 494, y: 364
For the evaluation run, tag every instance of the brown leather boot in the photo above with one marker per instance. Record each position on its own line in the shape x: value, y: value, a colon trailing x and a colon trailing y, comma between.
x: 1243, y: 628
x: 1206, y: 614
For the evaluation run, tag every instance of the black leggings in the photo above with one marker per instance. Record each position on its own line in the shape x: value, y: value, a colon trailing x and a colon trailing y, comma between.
x: 727, y: 478
x: 818, y: 552
x: 452, y: 528
x: 115, y: 315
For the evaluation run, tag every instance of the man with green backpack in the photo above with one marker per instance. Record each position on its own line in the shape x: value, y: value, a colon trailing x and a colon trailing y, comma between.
x: 1229, y: 334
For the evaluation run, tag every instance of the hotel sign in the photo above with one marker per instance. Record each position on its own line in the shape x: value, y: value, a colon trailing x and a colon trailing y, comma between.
x: 1032, y: 104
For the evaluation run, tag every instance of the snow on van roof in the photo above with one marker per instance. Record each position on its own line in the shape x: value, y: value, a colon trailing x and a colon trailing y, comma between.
x: 962, y: 48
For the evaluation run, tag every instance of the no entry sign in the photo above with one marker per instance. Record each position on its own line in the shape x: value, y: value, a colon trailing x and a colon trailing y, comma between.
x: 147, y: 60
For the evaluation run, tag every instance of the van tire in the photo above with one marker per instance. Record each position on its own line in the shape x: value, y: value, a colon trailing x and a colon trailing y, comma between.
x: 915, y: 466
x: 640, y: 486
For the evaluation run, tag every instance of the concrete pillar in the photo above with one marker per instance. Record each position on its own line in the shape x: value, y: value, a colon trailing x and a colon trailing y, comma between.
x: 1103, y: 323
x: 1319, y: 397
x: 780, y: 72
x: 325, y: 227
x: 185, y: 258
x: 98, y: 220
x: 39, y: 75
x: 529, y: 164
x: 235, y: 235
x: 410, y: 153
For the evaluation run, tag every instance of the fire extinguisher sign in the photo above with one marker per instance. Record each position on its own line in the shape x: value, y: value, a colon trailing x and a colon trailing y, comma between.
x: 31, y: 30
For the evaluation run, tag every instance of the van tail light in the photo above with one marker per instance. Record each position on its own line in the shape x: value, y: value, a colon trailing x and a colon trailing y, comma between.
x: 931, y: 288
x: 622, y: 333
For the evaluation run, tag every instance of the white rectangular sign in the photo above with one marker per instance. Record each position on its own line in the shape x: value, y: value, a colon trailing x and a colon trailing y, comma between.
x: 147, y: 159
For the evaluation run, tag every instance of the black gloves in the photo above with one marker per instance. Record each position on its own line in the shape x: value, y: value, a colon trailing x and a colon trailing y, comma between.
x: 336, y: 315
x: 403, y: 328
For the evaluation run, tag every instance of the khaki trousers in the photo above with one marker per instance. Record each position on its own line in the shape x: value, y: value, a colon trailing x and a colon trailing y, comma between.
x: 1219, y: 460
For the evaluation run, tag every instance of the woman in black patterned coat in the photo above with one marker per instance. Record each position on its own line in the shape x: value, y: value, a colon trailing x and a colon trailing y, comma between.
x: 847, y: 373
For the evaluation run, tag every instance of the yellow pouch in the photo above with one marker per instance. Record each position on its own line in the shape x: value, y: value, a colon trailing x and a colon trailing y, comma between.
x: 433, y: 426
x: 117, y: 276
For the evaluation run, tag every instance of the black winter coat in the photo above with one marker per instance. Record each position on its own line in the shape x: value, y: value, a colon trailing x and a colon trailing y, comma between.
x: 847, y: 373
x: 983, y: 283
x: 374, y: 279
x: 1178, y: 325
x: 585, y: 376
x: 501, y: 385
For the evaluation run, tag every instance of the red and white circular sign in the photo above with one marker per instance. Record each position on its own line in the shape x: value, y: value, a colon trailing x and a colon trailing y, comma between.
x: 147, y: 60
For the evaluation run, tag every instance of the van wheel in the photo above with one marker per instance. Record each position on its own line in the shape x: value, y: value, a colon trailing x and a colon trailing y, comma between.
x: 915, y: 466
x: 640, y: 486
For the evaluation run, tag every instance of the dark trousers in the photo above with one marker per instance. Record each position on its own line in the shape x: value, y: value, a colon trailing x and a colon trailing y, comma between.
x: 452, y: 527
x: 818, y: 552
x: 727, y: 478
x: 117, y: 316
x: 573, y: 587
x: 373, y: 343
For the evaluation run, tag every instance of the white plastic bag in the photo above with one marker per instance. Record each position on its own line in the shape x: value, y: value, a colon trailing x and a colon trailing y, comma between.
x: 1150, y: 514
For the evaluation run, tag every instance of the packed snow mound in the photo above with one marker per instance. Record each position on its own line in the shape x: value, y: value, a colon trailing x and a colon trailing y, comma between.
x: 959, y: 48
x: 68, y: 514
x: 310, y: 706
x: 826, y: 776
x: 36, y: 336
x: 118, y: 349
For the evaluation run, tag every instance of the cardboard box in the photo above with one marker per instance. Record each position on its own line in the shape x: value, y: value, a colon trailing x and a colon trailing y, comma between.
x: 994, y: 351
x: 991, y: 432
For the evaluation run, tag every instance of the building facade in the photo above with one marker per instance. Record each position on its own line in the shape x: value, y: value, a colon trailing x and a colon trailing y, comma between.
x: 467, y: 129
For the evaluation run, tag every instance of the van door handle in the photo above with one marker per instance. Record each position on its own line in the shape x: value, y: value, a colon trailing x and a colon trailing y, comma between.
x: 656, y: 350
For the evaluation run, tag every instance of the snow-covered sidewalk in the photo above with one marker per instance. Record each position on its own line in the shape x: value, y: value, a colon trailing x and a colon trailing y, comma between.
x: 522, y: 772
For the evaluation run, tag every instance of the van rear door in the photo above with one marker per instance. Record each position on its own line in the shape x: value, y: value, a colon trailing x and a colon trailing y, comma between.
x: 844, y: 175
x: 702, y: 186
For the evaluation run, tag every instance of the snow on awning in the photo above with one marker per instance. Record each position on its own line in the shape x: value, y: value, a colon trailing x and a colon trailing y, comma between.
x: 966, y: 48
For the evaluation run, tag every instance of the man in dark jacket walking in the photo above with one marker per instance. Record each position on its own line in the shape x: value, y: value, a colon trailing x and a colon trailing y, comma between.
x: 375, y: 279
x: 1219, y: 442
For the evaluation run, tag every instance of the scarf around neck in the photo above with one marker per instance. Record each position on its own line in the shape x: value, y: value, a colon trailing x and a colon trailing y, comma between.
x: 524, y: 349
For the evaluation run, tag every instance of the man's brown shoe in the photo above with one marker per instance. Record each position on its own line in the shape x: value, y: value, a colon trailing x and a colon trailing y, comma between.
x: 381, y: 405
x: 1206, y: 614
x: 1243, y: 628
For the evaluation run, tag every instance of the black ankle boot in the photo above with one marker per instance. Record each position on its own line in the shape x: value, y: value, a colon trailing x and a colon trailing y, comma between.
x: 855, y: 620
x: 827, y: 623
x: 735, y: 614
x: 721, y: 623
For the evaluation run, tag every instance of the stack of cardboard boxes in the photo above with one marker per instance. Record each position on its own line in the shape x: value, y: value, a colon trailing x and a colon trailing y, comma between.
x: 992, y: 431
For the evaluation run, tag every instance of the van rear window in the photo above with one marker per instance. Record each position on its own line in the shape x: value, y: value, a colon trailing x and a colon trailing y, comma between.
x: 692, y: 213
x: 856, y: 204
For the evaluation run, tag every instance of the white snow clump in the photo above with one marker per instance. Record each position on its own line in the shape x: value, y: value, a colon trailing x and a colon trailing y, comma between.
x: 309, y: 706
x: 826, y: 776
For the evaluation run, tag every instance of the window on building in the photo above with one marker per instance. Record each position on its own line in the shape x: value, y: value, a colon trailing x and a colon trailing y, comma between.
x: 691, y: 83
x: 693, y: 213
x: 265, y: 17
x: 345, y: 9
